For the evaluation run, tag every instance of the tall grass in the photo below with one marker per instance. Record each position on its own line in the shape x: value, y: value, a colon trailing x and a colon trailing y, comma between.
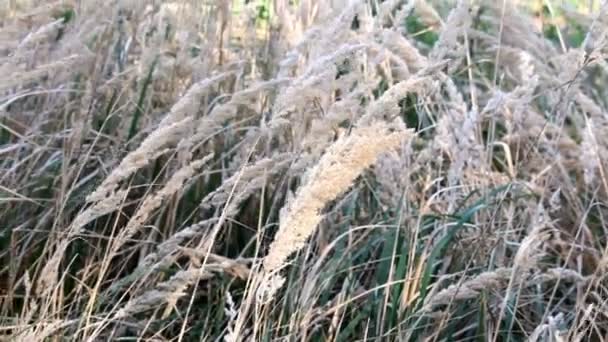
x: 309, y: 170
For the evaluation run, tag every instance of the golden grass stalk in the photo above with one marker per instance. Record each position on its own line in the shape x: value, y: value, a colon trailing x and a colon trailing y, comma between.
x: 471, y: 288
x: 165, y: 292
x: 50, y: 273
x: 141, y: 157
x: 342, y: 163
x: 44, y: 330
x: 169, y: 131
x: 151, y: 203
x: 15, y: 78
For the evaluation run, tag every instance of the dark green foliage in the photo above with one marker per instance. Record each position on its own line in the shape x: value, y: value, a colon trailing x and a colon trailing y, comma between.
x: 139, y: 109
x: 419, y: 31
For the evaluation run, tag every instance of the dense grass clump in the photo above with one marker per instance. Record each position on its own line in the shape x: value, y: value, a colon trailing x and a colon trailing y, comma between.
x: 303, y: 170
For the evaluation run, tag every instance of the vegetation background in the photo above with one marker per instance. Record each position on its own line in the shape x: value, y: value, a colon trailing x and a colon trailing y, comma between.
x: 303, y: 170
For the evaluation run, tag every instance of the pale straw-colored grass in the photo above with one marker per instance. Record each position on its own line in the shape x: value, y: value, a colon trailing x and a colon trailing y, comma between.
x: 303, y: 170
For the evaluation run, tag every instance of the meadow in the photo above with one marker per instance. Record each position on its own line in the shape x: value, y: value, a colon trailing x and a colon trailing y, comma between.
x: 336, y: 170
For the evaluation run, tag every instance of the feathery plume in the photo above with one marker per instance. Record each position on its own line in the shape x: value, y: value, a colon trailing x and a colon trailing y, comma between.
x: 341, y: 164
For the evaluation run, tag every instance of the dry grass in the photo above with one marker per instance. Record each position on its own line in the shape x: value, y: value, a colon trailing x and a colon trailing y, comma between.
x: 303, y: 170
